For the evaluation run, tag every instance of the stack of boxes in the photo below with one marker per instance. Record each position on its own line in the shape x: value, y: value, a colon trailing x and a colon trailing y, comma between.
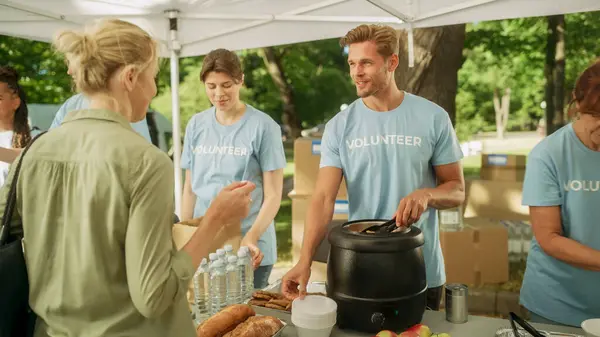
x: 492, y: 229
x: 307, y: 156
x: 476, y: 237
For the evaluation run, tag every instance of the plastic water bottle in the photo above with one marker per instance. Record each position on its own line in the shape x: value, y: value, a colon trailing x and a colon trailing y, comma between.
x: 246, y: 274
x: 212, y: 258
x: 229, y: 251
x: 218, y: 287
x: 233, y: 281
x: 221, y: 254
x: 201, y: 292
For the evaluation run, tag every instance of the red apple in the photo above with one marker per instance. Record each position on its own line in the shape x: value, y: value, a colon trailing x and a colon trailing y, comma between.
x: 387, y: 333
x: 409, y: 333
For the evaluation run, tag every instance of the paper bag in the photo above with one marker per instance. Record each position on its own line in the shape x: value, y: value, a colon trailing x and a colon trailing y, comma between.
x: 228, y: 235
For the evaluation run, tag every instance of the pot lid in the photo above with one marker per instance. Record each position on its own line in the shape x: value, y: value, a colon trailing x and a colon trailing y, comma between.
x: 349, y: 236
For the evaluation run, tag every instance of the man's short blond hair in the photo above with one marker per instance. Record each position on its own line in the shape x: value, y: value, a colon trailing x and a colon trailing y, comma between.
x: 385, y: 37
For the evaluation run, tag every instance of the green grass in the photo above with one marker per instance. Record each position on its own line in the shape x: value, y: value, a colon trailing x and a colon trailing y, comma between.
x: 288, y: 171
x: 283, y: 230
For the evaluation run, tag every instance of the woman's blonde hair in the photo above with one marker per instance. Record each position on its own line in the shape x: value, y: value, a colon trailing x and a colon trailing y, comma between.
x: 94, y: 56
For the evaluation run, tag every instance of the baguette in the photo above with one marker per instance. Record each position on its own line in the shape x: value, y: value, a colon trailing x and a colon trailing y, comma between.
x: 225, y: 320
x: 257, y: 326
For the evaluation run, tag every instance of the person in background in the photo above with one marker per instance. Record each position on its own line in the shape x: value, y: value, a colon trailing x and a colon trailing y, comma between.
x: 15, y: 132
x: 96, y: 203
x: 80, y: 102
x: 234, y: 141
x: 562, y: 190
x: 387, y: 143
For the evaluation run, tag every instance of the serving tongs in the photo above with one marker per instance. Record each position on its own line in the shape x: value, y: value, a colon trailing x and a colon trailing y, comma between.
x: 530, y: 329
x: 386, y: 227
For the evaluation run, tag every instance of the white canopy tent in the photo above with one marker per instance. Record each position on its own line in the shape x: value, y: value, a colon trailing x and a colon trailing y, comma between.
x: 194, y: 27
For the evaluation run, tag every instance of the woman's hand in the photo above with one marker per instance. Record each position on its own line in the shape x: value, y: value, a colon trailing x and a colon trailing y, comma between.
x: 257, y: 255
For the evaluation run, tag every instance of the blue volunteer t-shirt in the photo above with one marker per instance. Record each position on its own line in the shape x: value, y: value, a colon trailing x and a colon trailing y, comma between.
x: 387, y: 155
x: 80, y: 102
x: 218, y: 155
x: 561, y: 171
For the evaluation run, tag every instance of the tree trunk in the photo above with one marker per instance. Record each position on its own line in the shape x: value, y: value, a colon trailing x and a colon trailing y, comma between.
x: 273, y: 63
x: 549, y: 74
x: 438, y: 57
x: 501, y: 108
x: 559, y: 73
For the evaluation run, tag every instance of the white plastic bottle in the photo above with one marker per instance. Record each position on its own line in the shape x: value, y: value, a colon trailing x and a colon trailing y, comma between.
x: 246, y: 274
x: 201, y: 292
x: 221, y: 254
x: 233, y: 281
x: 218, y: 285
x: 229, y: 251
x: 212, y: 258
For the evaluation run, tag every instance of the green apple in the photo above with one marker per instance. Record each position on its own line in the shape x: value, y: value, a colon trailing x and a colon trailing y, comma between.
x: 386, y: 333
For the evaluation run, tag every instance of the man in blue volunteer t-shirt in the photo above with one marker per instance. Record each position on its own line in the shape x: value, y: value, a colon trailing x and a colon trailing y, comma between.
x: 398, y: 153
x: 79, y: 102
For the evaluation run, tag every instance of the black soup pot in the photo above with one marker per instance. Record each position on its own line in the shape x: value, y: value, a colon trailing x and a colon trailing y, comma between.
x: 378, y: 280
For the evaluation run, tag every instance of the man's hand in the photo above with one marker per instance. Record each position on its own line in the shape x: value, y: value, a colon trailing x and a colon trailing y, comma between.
x: 257, y: 255
x: 231, y: 205
x: 412, y: 207
x: 294, y: 282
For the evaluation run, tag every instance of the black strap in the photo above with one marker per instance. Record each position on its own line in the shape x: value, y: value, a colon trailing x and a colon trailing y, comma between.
x: 12, y: 197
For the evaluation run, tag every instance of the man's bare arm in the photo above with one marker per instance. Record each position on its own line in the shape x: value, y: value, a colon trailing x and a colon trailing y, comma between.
x: 450, y: 191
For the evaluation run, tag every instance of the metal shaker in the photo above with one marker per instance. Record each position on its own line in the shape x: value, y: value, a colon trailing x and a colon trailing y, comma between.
x: 457, y: 310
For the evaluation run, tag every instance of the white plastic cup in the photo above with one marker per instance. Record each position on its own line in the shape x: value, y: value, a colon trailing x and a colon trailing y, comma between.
x: 314, y: 316
x: 591, y: 327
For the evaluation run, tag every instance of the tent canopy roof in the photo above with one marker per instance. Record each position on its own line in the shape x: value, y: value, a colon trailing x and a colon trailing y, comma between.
x: 204, y: 25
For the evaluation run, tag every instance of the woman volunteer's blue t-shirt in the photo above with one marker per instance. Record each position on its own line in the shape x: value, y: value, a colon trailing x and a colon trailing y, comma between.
x: 385, y: 156
x: 80, y: 102
x: 218, y: 155
x: 562, y: 171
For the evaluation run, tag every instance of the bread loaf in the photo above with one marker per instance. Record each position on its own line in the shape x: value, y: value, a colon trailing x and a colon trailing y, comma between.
x: 257, y: 326
x: 225, y: 320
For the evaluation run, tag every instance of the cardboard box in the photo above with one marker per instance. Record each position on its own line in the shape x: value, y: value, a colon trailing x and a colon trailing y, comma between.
x: 502, y: 174
x: 495, y: 199
x: 518, y: 161
x: 300, y: 204
x: 478, y: 254
x: 503, y: 167
x: 307, y: 157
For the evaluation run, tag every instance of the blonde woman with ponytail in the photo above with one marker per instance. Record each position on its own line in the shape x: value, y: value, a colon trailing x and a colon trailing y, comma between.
x: 96, y: 203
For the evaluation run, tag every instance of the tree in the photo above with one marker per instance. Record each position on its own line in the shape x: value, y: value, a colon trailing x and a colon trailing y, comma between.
x: 554, y: 73
x: 273, y: 62
x: 438, y: 57
x: 502, y: 108
x: 501, y: 55
x: 43, y: 72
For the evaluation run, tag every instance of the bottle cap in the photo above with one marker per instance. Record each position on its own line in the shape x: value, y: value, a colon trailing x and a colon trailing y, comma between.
x: 232, y: 259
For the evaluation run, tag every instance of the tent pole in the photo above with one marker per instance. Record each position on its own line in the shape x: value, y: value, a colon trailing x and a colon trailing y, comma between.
x: 174, y: 48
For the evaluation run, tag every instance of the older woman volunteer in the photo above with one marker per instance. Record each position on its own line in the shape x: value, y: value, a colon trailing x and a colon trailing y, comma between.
x: 96, y: 202
x: 562, y: 190
x: 234, y: 141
